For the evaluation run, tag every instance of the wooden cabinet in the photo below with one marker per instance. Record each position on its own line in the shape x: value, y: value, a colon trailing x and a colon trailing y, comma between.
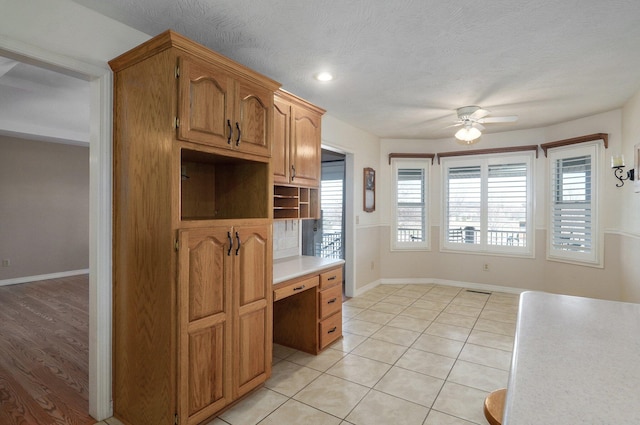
x: 224, y: 315
x: 192, y: 241
x: 222, y: 110
x: 307, y: 311
x: 297, y: 141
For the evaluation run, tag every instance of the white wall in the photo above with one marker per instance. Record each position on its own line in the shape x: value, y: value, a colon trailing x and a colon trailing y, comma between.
x: 363, y: 150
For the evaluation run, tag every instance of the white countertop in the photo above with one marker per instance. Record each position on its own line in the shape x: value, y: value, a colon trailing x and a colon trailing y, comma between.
x: 575, y: 361
x: 291, y: 267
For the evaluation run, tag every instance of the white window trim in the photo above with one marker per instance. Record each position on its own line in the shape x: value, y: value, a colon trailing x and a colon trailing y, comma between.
x: 397, y: 163
x: 485, y: 160
x: 595, y: 258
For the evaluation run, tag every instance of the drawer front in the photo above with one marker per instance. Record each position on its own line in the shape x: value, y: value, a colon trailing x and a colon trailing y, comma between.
x: 330, y: 301
x: 295, y: 288
x: 330, y: 330
x: 330, y: 278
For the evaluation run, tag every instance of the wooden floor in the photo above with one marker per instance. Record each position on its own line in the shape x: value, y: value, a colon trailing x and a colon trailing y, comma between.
x: 44, y: 352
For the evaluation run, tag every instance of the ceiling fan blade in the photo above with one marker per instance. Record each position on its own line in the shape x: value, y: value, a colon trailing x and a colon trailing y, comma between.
x: 480, y: 113
x: 458, y: 124
x: 509, y: 118
x: 478, y: 126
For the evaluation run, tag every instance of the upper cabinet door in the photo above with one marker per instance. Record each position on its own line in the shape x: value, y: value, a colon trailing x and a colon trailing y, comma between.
x: 281, y: 135
x: 253, y: 120
x: 305, y: 147
x: 206, y: 96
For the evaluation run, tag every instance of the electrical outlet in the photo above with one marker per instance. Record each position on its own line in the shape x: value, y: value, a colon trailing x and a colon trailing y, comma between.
x: 6, y: 262
x: 485, y: 267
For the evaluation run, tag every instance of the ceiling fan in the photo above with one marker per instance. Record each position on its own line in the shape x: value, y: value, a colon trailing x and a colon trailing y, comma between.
x: 471, y: 119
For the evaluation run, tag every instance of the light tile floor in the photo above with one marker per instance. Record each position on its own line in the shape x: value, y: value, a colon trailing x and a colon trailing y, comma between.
x: 411, y: 355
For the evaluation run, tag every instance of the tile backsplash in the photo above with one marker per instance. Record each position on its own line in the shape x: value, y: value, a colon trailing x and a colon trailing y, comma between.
x: 286, y: 238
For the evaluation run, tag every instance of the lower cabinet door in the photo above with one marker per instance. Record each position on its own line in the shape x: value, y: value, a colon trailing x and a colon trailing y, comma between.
x: 252, y: 283
x: 204, y: 305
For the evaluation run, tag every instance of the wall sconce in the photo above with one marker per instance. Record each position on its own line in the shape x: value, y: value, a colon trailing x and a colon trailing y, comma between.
x: 617, y: 163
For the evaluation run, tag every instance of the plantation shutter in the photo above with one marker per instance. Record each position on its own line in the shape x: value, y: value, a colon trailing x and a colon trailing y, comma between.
x: 464, y: 204
x: 507, y: 204
x: 410, y: 212
x: 572, y: 205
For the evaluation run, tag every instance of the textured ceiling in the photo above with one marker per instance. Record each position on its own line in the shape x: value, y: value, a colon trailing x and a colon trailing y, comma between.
x: 402, y: 67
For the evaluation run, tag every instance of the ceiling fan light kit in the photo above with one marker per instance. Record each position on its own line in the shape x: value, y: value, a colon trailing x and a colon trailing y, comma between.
x: 468, y: 135
x: 472, y: 118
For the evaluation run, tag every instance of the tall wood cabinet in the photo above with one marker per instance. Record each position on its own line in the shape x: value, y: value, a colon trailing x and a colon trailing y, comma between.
x: 192, y: 232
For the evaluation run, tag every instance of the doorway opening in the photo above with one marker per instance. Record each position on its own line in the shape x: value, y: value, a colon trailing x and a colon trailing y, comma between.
x: 326, y: 237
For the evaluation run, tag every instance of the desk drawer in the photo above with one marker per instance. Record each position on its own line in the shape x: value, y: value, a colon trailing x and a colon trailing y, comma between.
x: 330, y: 301
x: 330, y: 330
x: 330, y: 278
x: 295, y: 288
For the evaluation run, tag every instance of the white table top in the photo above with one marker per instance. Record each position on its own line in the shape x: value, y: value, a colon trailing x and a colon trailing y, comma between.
x: 575, y: 361
x: 291, y: 267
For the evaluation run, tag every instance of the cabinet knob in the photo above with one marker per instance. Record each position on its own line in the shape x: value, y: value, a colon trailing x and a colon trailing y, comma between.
x: 332, y: 300
x: 239, y: 134
x: 332, y: 278
x: 293, y: 172
x: 298, y: 288
x: 230, y: 243
x: 332, y: 330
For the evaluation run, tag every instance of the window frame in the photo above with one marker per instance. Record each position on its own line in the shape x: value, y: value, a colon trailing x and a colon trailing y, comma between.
x: 485, y: 161
x: 402, y: 163
x: 595, y: 257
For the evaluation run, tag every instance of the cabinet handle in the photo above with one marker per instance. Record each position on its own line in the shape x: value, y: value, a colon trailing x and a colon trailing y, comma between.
x: 332, y: 330
x: 238, y: 238
x: 298, y: 288
x: 332, y: 278
x: 230, y: 132
x: 293, y: 172
x: 239, y: 134
x: 332, y: 300
x: 230, y: 243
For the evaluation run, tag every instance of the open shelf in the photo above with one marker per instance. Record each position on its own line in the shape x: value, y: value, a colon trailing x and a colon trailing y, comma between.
x: 219, y: 187
x: 292, y: 202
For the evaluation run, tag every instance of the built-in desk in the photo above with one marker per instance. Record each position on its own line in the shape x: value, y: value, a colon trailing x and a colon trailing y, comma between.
x: 575, y: 361
x: 307, y: 308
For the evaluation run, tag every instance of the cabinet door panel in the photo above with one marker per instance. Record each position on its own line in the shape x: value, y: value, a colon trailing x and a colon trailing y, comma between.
x: 281, y: 134
x: 252, y: 265
x: 206, y: 104
x: 306, y: 148
x: 252, y: 344
x: 206, y: 277
x: 206, y: 353
x: 254, y: 117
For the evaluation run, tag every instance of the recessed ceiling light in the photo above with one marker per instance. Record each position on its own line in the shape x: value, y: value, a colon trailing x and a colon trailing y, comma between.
x: 323, y: 76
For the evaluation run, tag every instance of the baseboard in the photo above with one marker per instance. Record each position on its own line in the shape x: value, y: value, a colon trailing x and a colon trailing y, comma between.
x: 367, y: 287
x: 17, y: 280
x: 470, y: 285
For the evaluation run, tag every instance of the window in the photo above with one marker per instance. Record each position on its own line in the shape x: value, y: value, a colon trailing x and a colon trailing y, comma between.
x: 410, y: 224
x: 488, y: 204
x: 573, y: 230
